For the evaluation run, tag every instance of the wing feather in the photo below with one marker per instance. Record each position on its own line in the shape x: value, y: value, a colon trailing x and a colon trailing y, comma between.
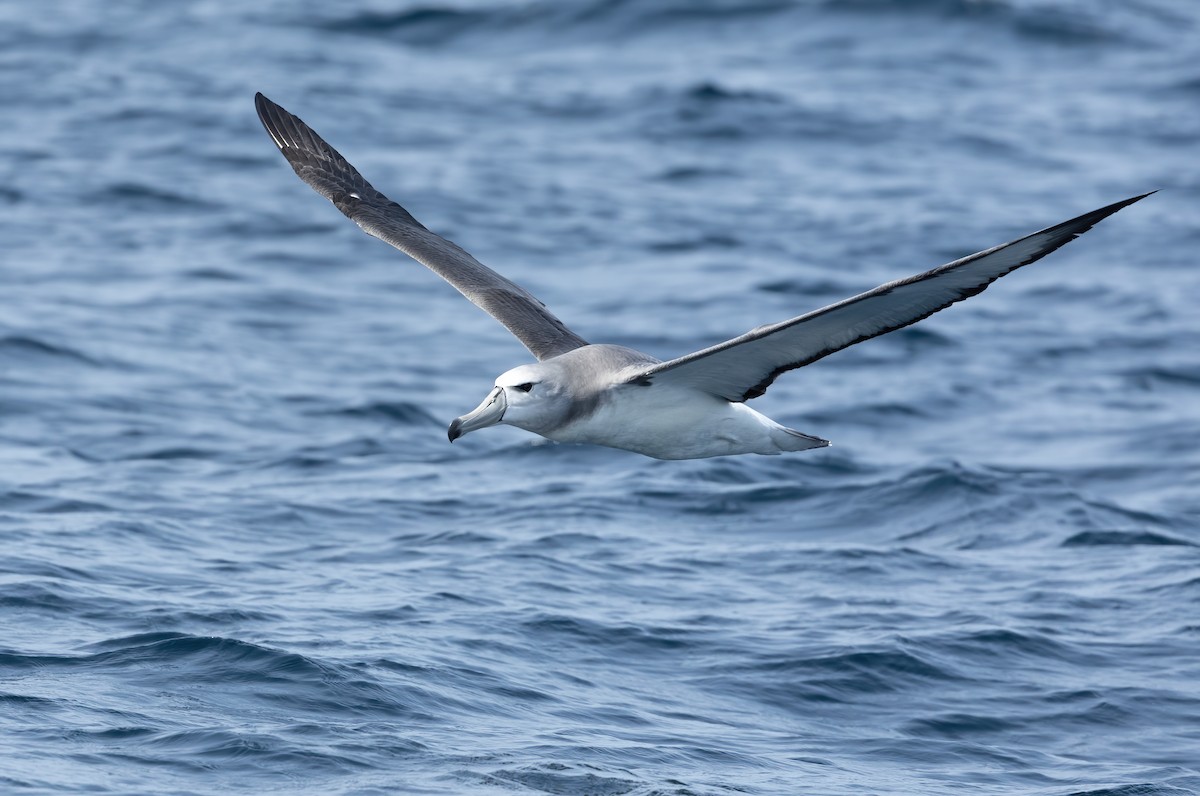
x: 329, y: 174
x: 744, y: 367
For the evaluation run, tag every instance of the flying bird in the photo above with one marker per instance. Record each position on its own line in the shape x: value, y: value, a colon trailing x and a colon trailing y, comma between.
x: 690, y: 407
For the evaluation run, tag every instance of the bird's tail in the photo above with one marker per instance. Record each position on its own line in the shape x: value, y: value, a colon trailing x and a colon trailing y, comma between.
x: 789, y: 439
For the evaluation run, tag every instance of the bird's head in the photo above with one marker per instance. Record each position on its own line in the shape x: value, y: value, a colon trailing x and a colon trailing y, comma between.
x: 529, y: 397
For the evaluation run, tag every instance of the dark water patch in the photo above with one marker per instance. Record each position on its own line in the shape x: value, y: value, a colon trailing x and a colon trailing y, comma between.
x: 38, y: 568
x: 24, y: 701
x: 1068, y: 26
x: 113, y: 734
x: 919, y: 338
x: 1071, y: 23
x: 213, y: 274
x: 995, y: 645
x: 16, y: 661
x: 927, y: 499
x: 597, y: 636
x: 1160, y: 378
x: 1187, y: 85
x: 1104, y: 515
x: 722, y: 472
x: 1138, y: 789
x: 797, y: 684
x: 809, y: 287
x: 1123, y: 538
x: 858, y: 561
x: 1187, y: 588
x: 557, y: 778
x: 790, y: 682
x: 400, y: 412
x: 20, y: 351
x: 282, y: 227
x: 960, y: 725
x: 171, y: 645
x: 1097, y: 294
x: 169, y: 531
x: 577, y: 105
x: 692, y: 173
x: 398, y: 613
x: 709, y: 111
x: 547, y: 22
x: 702, y: 243
x: 729, y: 502
x: 457, y: 539
x: 1009, y: 152
x: 147, y: 198
x: 226, y: 747
x: 668, y: 15
x: 423, y: 25
x: 39, y: 598
x: 882, y: 415
x: 989, y: 9
x: 228, y: 617
x: 949, y: 479
x: 571, y: 540
x: 34, y: 503
x: 498, y: 685
x: 329, y: 455
x: 171, y: 454
x: 870, y: 670
x: 287, y: 301
x: 706, y: 93
x: 249, y: 671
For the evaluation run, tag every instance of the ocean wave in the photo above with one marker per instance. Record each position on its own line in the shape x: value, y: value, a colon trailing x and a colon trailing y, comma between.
x: 1066, y: 23
x: 400, y: 412
x: 40, y: 503
x: 559, y: 779
x: 712, y: 111
x: 142, y: 197
x: 24, y: 351
x: 1121, y: 538
x: 429, y: 25
x: 1069, y: 22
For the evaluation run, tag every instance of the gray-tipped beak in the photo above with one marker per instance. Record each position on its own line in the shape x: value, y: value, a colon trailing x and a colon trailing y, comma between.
x: 488, y: 413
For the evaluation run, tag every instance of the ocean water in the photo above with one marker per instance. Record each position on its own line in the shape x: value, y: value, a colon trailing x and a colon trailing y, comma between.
x: 237, y: 553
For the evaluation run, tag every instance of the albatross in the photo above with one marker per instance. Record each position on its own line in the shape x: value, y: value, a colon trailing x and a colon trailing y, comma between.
x: 690, y: 407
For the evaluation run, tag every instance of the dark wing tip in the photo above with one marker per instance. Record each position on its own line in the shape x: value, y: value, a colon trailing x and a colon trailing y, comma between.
x: 267, y: 114
x: 1059, y: 235
x: 1099, y: 215
x: 312, y: 158
x: 287, y: 130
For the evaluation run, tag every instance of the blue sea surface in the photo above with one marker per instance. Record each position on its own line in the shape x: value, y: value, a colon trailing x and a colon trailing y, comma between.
x: 238, y: 555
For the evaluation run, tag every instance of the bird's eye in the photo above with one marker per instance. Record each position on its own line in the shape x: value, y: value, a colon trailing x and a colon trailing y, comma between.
x: 526, y: 387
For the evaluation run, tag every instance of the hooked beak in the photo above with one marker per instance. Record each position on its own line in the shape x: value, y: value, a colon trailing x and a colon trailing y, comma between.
x: 488, y: 413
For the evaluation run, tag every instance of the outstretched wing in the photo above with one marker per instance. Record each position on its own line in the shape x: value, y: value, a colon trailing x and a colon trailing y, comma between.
x: 320, y: 165
x: 744, y: 367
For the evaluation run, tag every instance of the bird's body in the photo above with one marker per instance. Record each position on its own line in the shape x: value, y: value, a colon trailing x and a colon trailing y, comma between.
x: 685, y: 408
x: 664, y: 420
x: 670, y: 423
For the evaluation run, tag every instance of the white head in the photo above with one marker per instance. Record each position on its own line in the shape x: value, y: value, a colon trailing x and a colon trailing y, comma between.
x: 529, y: 397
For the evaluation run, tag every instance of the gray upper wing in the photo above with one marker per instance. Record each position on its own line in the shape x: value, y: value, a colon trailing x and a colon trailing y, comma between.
x: 320, y: 165
x: 744, y: 367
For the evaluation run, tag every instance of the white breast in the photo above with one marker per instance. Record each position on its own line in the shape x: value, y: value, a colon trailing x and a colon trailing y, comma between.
x: 671, y: 423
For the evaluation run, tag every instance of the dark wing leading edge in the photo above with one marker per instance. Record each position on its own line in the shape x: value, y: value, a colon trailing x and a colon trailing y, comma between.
x: 320, y: 165
x: 744, y: 367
